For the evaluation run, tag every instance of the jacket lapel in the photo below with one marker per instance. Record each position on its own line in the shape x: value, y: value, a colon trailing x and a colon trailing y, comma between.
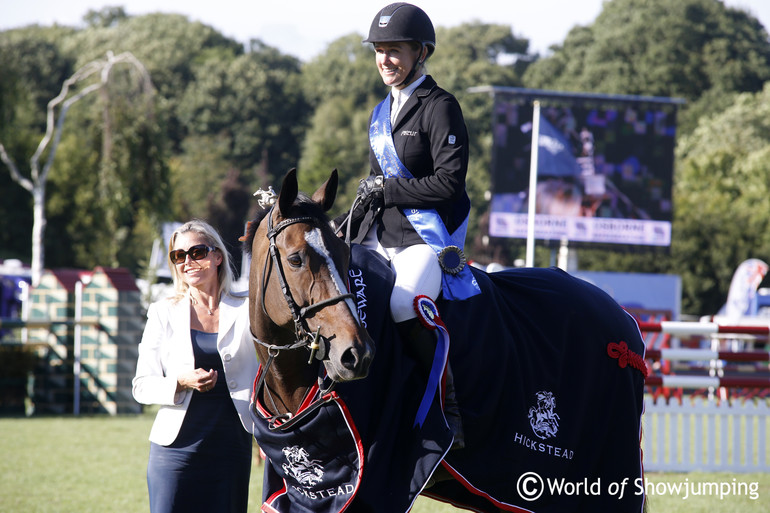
x: 228, y: 313
x: 179, y: 321
x: 180, y: 315
x: 414, y: 101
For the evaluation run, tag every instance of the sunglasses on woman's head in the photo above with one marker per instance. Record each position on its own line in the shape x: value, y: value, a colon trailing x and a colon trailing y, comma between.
x: 197, y: 252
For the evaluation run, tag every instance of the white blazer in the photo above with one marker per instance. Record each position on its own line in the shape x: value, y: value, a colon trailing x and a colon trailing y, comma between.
x: 166, y: 351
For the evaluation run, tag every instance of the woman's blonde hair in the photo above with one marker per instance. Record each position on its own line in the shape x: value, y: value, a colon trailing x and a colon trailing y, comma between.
x: 212, y: 238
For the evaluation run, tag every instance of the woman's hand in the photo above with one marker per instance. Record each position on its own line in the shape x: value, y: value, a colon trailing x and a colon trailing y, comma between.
x: 198, y: 379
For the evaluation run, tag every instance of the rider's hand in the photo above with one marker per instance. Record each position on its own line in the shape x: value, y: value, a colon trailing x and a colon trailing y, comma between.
x: 371, y: 188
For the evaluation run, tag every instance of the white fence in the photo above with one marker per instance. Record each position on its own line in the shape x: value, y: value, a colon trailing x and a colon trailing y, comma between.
x: 703, y: 435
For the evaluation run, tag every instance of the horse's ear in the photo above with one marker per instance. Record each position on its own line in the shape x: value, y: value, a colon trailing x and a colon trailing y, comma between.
x: 288, y: 192
x: 326, y: 194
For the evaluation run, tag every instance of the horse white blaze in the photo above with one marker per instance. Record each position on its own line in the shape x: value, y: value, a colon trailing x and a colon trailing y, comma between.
x: 315, y: 240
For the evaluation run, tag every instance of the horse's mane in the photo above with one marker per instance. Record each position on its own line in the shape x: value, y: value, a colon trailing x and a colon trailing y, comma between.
x: 303, y: 206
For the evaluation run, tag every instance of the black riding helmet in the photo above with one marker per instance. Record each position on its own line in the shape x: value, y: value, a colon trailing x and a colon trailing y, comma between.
x: 403, y: 22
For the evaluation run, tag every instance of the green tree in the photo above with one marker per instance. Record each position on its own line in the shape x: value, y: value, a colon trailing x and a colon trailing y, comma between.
x: 338, y: 139
x: 343, y: 86
x: 683, y: 48
x: 170, y: 46
x: 254, y: 101
x: 229, y: 212
x: 345, y: 69
x: 723, y: 200
x: 105, y: 17
x: 196, y: 173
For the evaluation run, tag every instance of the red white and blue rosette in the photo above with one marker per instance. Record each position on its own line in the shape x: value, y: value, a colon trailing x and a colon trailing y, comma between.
x: 427, y: 313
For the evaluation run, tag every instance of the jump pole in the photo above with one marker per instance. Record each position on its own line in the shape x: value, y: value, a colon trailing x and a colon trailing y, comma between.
x: 707, y: 354
x: 681, y: 328
x: 677, y: 381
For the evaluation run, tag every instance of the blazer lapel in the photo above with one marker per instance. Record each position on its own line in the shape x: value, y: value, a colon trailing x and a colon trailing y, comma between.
x: 179, y: 320
x: 228, y: 313
x: 413, y: 101
x: 180, y: 316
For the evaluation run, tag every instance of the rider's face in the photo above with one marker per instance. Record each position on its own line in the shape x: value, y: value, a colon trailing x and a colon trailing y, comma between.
x: 395, y: 61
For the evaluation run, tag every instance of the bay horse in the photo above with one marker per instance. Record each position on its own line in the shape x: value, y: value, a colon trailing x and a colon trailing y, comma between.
x: 548, y: 371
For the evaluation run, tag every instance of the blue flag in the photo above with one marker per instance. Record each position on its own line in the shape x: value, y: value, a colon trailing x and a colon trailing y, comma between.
x: 555, y: 156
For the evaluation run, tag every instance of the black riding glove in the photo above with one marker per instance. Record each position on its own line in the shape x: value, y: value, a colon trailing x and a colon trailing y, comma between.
x: 371, y: 189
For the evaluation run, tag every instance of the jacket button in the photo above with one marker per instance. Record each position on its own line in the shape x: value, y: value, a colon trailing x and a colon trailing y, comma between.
x: 232, y: 383
x: 228, y: 357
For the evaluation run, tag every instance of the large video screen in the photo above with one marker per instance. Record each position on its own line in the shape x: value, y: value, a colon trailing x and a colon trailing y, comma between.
x: 605, y: 171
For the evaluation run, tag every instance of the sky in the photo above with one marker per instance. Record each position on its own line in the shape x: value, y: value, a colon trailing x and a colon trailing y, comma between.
x: 304, y: 28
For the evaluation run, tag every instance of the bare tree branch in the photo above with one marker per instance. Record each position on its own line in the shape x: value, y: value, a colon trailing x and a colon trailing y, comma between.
x: 17, y: 177
x: 36, y: 185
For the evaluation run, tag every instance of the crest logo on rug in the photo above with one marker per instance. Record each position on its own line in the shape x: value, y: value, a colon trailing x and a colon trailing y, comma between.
x: 542, y: 417
x: 544, y: 422
x: 299, y: 466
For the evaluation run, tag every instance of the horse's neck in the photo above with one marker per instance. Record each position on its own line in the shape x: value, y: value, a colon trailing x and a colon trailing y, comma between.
x: 288, y: 380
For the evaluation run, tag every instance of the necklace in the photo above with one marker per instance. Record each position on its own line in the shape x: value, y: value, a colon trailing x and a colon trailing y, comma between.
x: 195, y: 302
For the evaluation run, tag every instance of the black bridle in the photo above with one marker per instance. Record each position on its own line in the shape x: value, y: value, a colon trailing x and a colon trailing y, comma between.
x: 303, y: 335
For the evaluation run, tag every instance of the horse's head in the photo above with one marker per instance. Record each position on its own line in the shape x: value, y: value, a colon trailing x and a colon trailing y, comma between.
x: 298, y: 287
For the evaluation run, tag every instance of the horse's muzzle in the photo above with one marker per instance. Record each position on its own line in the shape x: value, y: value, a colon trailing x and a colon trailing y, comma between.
x: 351, y: 362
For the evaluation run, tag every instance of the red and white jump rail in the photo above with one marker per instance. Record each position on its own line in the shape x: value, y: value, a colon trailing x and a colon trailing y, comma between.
x: 678, y: 381
x: 706, y: 329
x: 681, y: 328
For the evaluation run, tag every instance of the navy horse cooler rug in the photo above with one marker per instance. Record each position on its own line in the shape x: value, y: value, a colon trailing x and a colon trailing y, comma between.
x: 549, y: 377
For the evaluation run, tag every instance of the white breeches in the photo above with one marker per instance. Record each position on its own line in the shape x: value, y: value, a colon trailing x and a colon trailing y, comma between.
x: 417, y: 273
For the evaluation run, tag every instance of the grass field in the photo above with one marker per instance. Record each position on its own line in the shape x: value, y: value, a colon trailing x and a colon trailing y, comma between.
x: 97, y: 464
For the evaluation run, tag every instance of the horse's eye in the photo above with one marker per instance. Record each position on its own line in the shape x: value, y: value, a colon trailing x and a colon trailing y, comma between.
x: 295, y: 260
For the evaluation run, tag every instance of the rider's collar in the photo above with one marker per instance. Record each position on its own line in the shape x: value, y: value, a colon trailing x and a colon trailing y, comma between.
x: 408, y: 90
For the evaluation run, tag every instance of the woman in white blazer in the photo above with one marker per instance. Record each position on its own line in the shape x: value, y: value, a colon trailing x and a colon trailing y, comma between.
x: 197, y: 361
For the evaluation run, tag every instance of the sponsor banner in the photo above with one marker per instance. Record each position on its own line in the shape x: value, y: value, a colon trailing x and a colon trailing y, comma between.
x: 582, y: 229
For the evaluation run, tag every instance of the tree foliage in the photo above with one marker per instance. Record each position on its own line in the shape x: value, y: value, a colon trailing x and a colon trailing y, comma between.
x: 253, y: 100
x: 685, y: 49
x: 723, y: 192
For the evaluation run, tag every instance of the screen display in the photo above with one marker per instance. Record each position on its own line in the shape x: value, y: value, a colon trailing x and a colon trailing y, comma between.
x: 604, y: 171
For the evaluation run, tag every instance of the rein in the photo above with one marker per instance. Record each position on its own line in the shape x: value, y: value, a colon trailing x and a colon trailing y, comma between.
x: 304, y: 337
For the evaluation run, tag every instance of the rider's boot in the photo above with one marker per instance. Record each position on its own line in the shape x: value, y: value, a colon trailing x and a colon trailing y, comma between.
x: 420, y: 344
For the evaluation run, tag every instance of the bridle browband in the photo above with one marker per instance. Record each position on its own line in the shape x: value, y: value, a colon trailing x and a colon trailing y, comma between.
x: 304, y: 336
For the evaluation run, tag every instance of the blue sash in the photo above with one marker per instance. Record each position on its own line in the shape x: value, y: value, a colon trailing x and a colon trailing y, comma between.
x: 459, y: 284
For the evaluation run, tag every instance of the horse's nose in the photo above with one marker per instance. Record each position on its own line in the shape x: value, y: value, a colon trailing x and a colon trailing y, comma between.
x: 357, y: 360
